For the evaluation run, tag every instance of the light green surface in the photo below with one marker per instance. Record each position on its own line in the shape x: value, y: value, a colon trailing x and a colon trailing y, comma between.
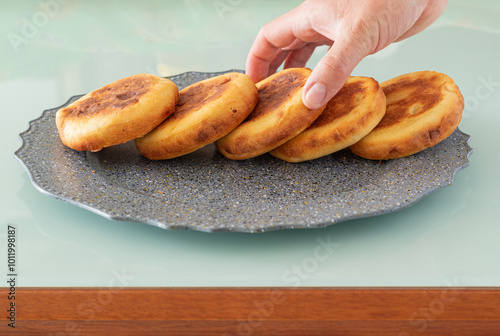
x: 451, y: 237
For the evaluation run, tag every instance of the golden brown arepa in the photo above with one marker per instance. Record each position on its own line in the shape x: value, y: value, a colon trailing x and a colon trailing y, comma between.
x: 423, y: 108
x: 207, y: 110
x: 116, y: 113
x: 350, y: 115
x: 278, y: 116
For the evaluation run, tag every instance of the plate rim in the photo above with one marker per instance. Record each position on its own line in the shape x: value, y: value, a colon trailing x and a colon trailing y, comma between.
x: 22, y: 151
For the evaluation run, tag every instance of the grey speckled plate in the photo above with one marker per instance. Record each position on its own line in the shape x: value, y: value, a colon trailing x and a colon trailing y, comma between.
x: 207, y: 192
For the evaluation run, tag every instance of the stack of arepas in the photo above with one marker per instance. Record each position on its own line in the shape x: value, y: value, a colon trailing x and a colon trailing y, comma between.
x: 394, y: 119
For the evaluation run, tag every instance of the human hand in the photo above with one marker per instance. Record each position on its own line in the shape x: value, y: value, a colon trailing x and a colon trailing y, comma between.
x: 352, y: 28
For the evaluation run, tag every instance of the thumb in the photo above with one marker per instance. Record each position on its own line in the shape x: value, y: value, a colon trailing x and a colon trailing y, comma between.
x: 331, y: 73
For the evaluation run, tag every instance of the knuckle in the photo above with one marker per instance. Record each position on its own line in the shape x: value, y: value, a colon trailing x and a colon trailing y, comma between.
x: 340, y: 67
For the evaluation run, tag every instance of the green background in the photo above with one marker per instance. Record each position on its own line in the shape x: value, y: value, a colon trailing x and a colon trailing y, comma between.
x: 52, y: 50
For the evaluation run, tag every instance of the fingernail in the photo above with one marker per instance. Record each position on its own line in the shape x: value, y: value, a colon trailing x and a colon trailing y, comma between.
x: 316, y: 95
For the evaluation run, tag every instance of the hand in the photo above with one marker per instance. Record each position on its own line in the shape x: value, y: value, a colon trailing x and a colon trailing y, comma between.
x: 352, y: 28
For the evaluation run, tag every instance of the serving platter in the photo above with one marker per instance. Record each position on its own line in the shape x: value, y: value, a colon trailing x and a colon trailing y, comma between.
x: 207, y: 192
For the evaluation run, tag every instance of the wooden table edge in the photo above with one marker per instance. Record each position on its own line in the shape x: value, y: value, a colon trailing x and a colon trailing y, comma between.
x: 398, y: 311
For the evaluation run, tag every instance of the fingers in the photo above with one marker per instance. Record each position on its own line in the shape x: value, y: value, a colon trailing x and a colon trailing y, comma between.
x: 266, y: 51
x: 358, y: 28
x: 328, y: 76
x: 259, y: 58
x: 278, y: 59
x: 265, y: 54
x: 331, y: 73
x: 298, y: 58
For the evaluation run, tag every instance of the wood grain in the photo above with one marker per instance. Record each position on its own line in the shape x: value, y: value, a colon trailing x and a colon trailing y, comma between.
x: 255, y: 311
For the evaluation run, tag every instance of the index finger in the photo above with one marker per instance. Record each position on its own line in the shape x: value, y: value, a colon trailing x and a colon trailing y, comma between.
x: 259, y: 58
x: 270, y: 40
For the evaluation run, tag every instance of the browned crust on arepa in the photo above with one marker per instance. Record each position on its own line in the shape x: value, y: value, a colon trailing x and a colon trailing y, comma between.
x: 423, y: 108
x: 116, y: 113
x: 278, y: 116
x: 207, y: 110
x: 351, y: 114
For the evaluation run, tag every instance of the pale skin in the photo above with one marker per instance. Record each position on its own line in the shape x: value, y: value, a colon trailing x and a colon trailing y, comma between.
x: 353, y: 29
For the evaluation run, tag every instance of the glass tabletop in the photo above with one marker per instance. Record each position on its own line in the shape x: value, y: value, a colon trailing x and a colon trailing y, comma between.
x: 449, y: 238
